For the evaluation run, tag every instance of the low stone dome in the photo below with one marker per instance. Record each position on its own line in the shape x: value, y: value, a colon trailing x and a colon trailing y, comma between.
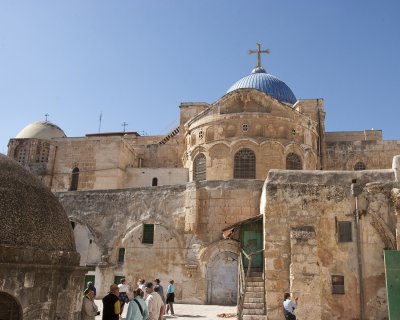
x: 41, y: 130
x: 30, y: 215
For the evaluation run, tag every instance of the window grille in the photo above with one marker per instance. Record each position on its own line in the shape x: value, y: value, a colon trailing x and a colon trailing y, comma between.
x: 244, y: 164
x: 199, y: 168
x: 44, y: 153
x: 344, y: 229
x: 201, y: 134
x: 293, y: 162
x: 245, y: 127
x: 148, y: 233
x: 360, y: 166
x: 20, y: 155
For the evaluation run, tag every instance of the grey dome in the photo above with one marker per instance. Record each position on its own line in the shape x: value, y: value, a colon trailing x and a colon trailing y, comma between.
x: 30, y: 215
x: 41, y: 130
x: 260, y: 80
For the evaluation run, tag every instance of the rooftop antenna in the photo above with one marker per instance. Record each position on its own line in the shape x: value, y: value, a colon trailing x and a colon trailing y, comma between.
x: 124, y: 124
x: 101, y: 115
x: 46, y: 115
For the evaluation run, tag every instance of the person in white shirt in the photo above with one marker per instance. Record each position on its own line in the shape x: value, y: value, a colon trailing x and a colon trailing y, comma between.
x: 154, y: 303
x: 289, y: 306
x: 123, y: 293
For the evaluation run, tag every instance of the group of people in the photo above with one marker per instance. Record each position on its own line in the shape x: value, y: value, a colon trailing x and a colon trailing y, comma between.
x: 147, y: 303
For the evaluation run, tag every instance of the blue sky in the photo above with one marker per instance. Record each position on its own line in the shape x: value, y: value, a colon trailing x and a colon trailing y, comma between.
x: 136, y: 61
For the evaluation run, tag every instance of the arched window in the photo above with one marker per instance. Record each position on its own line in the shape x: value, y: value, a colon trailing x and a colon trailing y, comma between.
x: 360, y: 166
x: 293, y: 162
x: 244, y: 164
x: 74, y: 179
x: 20, y: 155
x: 44, y: 153
x: 10, y: 309
x: 154, y: 182
x: 199, y: 168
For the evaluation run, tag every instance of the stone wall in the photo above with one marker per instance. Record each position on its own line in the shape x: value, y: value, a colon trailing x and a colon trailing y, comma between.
x: 302, y: 247
x: 375, y: 154
x: 44, y: 284
x: 187, y: 219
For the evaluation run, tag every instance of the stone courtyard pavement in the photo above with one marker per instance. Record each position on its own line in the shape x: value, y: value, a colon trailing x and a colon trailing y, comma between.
x: 189, y: 312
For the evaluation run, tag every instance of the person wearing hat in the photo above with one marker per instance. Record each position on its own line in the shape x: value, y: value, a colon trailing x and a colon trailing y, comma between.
x: 111, y: 304
x: 154, y: 303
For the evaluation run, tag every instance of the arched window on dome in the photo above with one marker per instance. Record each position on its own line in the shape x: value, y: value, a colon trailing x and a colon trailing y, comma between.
x: 9, y: 307
x: 74, y: 179
x: 154, y: 182
x: 21, y: 155
x: 199, y: 168
x: 360, y: 166
x: 293, y: 162
x: 244, y: 164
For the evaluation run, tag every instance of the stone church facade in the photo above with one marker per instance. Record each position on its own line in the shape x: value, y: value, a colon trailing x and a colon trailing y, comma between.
x: 155, y: 206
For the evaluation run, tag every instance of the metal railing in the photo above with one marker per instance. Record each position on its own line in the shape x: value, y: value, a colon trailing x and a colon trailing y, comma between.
x: 242, y: 279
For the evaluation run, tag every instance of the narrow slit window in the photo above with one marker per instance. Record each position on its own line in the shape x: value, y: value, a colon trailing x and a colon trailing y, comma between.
x: 337, y: 284
x: 74, y: 179
x: 121, y: 255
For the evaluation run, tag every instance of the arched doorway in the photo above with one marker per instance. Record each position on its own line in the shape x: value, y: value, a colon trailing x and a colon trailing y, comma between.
x: 9, y: 307
x: 222, y: 279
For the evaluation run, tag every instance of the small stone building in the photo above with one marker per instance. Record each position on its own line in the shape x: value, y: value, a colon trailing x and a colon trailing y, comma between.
x: 40, y: 277
x: 324, y: 237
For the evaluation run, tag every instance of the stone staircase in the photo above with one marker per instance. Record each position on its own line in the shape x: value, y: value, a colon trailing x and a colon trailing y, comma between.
x: 254, y: 305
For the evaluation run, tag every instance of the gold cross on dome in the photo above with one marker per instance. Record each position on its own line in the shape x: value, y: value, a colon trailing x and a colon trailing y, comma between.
x: 259, y: 51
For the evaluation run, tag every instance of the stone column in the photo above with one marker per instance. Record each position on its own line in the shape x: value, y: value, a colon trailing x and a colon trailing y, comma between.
x: 396, y: 167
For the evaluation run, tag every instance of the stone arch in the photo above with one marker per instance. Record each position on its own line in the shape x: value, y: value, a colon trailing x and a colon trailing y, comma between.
x: 210, y: 134
x: 245, y: 143
x: 221, y: 262
x: 310, y: 160
x: 10, y: 308
x: 219, y: 151
x: 150, y: 259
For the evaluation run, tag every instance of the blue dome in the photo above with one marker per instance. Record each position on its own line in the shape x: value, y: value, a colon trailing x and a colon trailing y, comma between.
x: 260, y: 80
